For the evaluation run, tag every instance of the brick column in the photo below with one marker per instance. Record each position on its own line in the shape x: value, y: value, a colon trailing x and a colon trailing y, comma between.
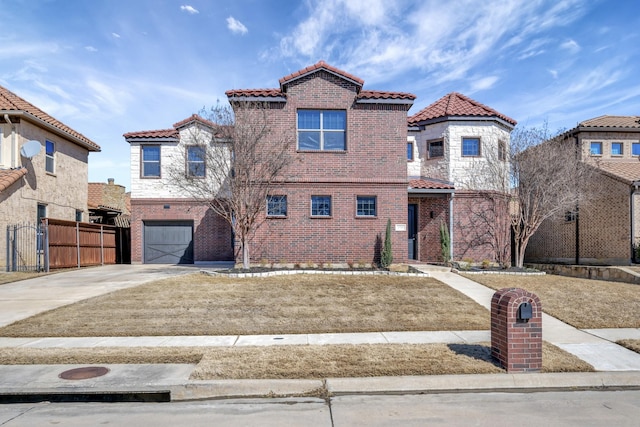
x: 516, y: 343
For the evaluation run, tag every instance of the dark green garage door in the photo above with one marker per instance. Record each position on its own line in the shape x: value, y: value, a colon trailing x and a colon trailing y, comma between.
x: 168, y: 242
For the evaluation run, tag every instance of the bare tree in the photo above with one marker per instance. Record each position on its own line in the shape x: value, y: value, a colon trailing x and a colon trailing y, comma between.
x: 231, y: 162
x: 540, y: 176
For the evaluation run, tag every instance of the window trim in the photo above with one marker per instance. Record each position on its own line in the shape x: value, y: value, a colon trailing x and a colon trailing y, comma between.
x: 432, y: 141
x: 502, y: 150
x: 591, y: 148
x: 189, y: 162
x: 621, y: 144
x: 479, y: 146
x: 142, y: 161
x: 321, y: 130
x: 51, y: 157
x: 375, y: 206
x: 330, y: 206
x: 286, y: 206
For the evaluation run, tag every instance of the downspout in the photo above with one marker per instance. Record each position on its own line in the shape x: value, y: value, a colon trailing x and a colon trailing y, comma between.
x: 451, y: 227
x: 635, y: 184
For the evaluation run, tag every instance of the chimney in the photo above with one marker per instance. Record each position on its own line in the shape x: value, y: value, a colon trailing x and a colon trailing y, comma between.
x: 110, y: 181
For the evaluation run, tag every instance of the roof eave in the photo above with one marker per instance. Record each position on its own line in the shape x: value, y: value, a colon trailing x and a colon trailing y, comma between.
x: 134, y: 139
x: 235, y: 98
x: 463, y: 118
x: 431, y: 190
x: 52, y: 128
x: 397, y: 101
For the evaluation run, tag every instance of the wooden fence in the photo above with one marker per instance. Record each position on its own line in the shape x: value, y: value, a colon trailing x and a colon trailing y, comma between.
x: 79, y: 244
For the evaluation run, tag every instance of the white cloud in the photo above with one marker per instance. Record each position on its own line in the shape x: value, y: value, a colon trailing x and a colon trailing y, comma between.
x: 116, y: 35
x: 90, y: 49
x: 236, y: 26
x: 554, y: 73
x: 189, y: 9
x: 484, y: 83
x: 570, y: 45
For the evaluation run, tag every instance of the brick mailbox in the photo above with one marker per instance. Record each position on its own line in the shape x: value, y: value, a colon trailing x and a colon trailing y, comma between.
x: 516, y: 330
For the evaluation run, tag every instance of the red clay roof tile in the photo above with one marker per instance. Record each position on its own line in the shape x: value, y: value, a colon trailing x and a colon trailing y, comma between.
x: 193, y: 118
x: 456, y: 104
x: 429, y: 184
x: 321, y: 65
x: 9, y: 101
x: 161, y: 133
x: 266, y: 93
x: 377, y: 94
x: 8, y: 177
x: 612, y: 121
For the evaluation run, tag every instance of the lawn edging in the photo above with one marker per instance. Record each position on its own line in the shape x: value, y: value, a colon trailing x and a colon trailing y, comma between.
x: 289, y: 272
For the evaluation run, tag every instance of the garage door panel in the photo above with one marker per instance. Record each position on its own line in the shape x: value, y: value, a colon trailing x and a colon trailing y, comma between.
x: 168, y: 243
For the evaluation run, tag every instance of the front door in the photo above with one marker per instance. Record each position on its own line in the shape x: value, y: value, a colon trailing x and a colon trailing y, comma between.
x: 412, y: 228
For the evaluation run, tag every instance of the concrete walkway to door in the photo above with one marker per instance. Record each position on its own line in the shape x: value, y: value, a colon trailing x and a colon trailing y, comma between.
x: 26, y: 298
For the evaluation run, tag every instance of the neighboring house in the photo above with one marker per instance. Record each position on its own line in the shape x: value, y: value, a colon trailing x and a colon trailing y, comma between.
x: 448, y: 144
x: 347, y: 179
x: 38, y: 181
x: 109, y: 204
x: 168, y: 226
x: 605, y: 229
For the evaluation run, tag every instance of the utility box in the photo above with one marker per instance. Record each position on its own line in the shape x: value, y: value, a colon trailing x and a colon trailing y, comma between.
x: 516, y: 330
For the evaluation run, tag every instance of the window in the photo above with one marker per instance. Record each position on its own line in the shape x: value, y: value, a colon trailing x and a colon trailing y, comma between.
x: 322, y: 130
x: 570, y: 216
x: 596, y: 148
x: 150, y: 161
x: 41, y: 213
x: 635, y: 149
x: 366, y: 206
x: 196, y: 161
x: 78, y: 215
x: 410, y: 151
x: 616, y: 148
x: 471, y: 147
x: 50, y: 156
x: 436, y: 149
x: 276, y: 205
x: 320, y: 205
x: 502, y: 151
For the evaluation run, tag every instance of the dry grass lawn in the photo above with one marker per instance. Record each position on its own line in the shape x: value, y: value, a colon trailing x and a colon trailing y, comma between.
x: 199, y: 304
x: 582, y: 303
x: 630, y: 344
x: 14, y: 276
x: 305, y: 362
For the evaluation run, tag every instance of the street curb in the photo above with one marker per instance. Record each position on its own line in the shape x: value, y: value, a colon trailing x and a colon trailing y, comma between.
x: 230, y: 389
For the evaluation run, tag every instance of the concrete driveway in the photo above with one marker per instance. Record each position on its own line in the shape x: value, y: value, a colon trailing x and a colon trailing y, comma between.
x: 19, y: 300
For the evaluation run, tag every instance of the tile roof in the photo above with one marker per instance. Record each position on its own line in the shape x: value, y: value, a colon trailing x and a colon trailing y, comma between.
x: 625, y: 170
x: 162, y: 133
x: 376, y: 94
x: 10, y: 102
x: 320, y: 65
x: 429, y: 184
x: 8, y: 177
x: 262, y: 93
x: 456, y: 104
x: 193, y: 118
x: 612, y: 121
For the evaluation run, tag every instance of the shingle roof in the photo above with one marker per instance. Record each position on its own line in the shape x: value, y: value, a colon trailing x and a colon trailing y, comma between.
x: 320, y: 65
x: 8, y: 177
x: 429, y: 184
x: 627, y: 170
x: 457, y: 105
x: 10, y: 102
x: 612, y: 121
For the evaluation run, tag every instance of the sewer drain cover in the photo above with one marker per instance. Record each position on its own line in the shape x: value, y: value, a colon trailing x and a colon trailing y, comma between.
x: 84, y: 373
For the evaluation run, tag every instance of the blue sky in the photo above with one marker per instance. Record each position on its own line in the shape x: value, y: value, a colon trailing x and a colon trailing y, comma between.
x: 107, y: 67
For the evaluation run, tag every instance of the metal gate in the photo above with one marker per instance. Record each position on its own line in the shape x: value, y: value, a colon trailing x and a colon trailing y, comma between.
x: 27, y: 248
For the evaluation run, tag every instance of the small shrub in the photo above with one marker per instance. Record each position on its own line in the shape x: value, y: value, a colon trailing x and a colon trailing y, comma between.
x: 328, y: 265
x: 467, y: 263
x: 350, y: 264
x: 296, y: 265
x: 310, y: 264
x: 445, y: 243
x: 263, y: 262
x: 320, y: 264
x: 386, y: 257
x: 362, y: 263
x: 486, y: 263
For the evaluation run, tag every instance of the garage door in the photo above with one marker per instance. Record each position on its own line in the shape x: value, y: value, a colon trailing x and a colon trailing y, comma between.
x: 169, y: 242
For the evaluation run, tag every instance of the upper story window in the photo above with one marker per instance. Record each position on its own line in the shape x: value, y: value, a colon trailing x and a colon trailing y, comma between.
x: 410, y: 151
x: 150, y: 164
x: 635, y: 149
x: 50, y: 157
x: 196, y: 166
x: 322, y: 130
x: 596, y: 148
x: 78, y: 215
x: 616, y: 149
x: 471, y: 147
x: 502, y: 151
x: 436, y: 149
x: 276, y: 205
x: 321, y: 206
x: 366, y: 206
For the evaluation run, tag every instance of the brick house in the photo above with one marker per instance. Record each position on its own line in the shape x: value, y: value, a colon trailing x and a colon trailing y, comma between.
x: 347, y: 179
x: 606, y: 228
x: 38, y: 181
x: 448, y: 143
x: 167, y: 226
